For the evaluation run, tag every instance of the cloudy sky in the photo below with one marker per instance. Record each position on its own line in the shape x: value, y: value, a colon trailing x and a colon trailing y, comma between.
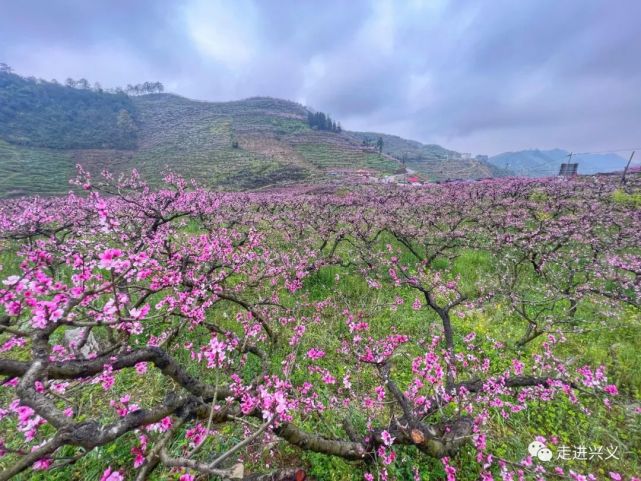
x: 480, y: 77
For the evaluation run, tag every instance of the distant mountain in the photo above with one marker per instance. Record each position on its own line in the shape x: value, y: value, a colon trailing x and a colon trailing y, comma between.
x: 538, y: 163
x: 47, y: 128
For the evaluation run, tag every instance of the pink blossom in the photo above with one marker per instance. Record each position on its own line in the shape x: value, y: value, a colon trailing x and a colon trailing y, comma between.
x: 517, y: 366
x: 315, y: 354
x: 450, y: 471
x: 387, y: 438
x: 328, y: 379
x: 110, y: 475
x: 141, y: 367
x: 42, y: 464
x: 108, y: 257
x: 139, y: 313
x: 165, y: 424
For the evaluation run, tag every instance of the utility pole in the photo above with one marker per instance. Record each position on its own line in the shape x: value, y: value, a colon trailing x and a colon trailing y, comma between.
x: 565, y: 169
x: 625, y: 171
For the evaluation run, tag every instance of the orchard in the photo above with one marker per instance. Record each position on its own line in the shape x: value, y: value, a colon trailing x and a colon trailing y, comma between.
x: 467, y: 331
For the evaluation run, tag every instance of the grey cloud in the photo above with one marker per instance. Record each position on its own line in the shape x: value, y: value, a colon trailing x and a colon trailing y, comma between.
x: 481, y: 77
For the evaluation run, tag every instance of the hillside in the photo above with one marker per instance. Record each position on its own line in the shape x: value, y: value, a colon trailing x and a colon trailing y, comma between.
x: 46, y: 129
x: 37, y: 113
x: 433, y: 161
x: 539, y: 163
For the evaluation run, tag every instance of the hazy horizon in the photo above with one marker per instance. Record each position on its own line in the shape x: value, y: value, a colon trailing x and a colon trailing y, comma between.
x: 506, y: 76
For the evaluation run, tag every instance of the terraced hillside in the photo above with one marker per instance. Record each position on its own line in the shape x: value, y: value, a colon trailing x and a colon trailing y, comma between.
x: 25, y: 170
x: 250, y: 144
x: 246, y: 144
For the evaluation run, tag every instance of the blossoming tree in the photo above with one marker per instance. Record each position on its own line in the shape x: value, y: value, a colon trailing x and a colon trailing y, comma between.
x: 201, y: 297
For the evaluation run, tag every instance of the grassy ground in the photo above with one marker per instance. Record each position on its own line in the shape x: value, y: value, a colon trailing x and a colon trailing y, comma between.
x: 616, y: 348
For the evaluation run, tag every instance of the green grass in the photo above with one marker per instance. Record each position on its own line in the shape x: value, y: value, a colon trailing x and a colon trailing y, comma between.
x: 628, y: 199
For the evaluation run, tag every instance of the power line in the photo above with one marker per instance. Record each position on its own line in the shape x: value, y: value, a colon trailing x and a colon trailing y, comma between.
x: 608, y: 151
